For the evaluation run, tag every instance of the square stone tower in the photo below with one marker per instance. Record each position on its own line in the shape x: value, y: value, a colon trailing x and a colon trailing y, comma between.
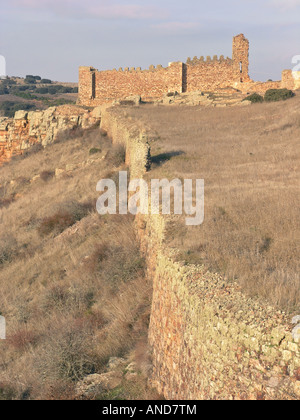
x: 240, y: 56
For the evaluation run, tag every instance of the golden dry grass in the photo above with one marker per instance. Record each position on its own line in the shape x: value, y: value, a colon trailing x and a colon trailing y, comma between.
x: 249, y: 158
x: 73, y: 289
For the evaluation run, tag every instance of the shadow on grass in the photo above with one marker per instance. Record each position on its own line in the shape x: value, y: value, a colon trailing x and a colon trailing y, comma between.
x: 160, y: 159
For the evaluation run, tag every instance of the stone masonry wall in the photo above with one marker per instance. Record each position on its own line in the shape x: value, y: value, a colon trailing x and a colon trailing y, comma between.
x: 213, y: 74
x: 207, y: 340
x: 40, y: 127
x: 99, y: 87
x: 210, y: 74
x: 290, y: 79
x: 211, y: 342
x: 96, y: 88
x: 133, y: 137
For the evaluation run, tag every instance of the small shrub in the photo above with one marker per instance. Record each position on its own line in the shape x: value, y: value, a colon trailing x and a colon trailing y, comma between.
x: 67, y: 299
x: 22, y: 339
x: 6, y: 202
x: 94, y: 151
x: 47, y: 175
x: 100, y: 254
x: 66, y: 217
x: 7, y: 393
x: 275, y: 95
x: 127, y: 103
x: 103, y: 132
x: 70, y: 134
x: 67, y: 354
x: 265, y: 245
x: 56, y: 224
x: 46, y: 81
x: 30, y: 80
x: 254, y: 98
x: 42, y: 90
x: 8, y: 248
x: 4, y: 90
x: 117, y: 155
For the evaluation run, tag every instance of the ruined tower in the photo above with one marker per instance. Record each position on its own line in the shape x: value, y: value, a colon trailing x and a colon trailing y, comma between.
x: 240, y: 57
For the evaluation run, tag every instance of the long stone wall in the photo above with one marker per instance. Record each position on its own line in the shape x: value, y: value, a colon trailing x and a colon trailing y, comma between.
x: 207, y: 340
x: 99, y: 87
x: 96, y: 88
x: 133, y: 137
x: 197, y: 74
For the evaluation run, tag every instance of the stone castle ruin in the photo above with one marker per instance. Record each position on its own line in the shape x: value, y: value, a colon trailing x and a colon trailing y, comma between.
x: 197, y: 74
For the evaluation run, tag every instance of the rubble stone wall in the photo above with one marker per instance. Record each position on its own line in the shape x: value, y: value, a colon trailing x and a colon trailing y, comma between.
x: 207, y: 339
x: 40, y: 127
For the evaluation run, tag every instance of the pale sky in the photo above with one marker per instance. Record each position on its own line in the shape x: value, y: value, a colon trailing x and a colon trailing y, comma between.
x: 52, y: 38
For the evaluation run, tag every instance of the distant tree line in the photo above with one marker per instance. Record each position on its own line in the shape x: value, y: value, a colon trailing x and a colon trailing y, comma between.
x: 9, y: 86
x: 8, y: 108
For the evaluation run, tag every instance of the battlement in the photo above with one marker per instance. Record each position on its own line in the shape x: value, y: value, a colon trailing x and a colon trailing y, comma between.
x: 210, y: 73
x: 208, y: 60
x: 151, y: 68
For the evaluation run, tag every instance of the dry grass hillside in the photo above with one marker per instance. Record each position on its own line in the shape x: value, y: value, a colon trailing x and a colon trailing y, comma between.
x: 73, y: 289
x: 249, y: 158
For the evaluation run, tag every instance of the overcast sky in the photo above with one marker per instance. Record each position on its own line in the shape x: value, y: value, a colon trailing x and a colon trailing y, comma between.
x: 52, y: 38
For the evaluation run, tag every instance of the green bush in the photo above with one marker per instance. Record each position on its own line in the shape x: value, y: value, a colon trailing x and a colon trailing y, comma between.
x: 22, y: 88
x: 9, y: 108
x: 254, y: 98
x: 30, y: 80
x: 4, y: 90
x: 42, y: 91
x: 94, y: 150
x: 275, y: 95
x: 8, y: 82
x: 46, y: 81
x: 54, y: 89
x: 7, y: 393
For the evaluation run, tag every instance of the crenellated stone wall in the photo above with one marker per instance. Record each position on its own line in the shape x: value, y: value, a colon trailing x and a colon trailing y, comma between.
x: 197, y: 74
x: 98, y: 87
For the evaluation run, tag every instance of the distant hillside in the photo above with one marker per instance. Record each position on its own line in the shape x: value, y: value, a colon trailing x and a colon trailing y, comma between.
x: 34, y: 92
